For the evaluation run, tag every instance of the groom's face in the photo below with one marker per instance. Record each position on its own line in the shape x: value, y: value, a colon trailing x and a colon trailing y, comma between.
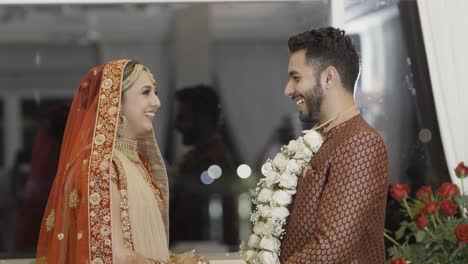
x: 304, y: 87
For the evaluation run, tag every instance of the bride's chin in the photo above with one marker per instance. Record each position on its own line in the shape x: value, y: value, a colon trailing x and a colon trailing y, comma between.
x: 144, y: 130
x: 148, y: 128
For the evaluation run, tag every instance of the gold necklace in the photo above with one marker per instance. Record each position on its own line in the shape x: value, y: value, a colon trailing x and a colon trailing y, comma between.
x: 128, y: 147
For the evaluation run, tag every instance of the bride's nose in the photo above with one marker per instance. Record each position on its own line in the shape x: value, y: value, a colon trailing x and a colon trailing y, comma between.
x: 155, y: 101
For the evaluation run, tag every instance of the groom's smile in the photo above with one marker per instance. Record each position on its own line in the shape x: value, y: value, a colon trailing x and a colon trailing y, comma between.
x: 299, y: 100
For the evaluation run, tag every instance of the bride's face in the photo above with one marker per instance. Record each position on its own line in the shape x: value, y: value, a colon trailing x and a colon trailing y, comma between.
x: 140, y: 103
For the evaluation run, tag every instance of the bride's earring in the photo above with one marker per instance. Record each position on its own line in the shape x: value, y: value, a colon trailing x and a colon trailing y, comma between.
x: 122, y: 121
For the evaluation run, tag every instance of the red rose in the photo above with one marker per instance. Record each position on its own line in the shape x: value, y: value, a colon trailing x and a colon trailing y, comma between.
x: 398, y: 261
x: 424, y: 193
x: 420, y: 220
x: 448, y: 207
x: 447, y: 189
x: 460, y: 170
x: 462, y: 233
x: 399, y: 191
x: 430, y: 207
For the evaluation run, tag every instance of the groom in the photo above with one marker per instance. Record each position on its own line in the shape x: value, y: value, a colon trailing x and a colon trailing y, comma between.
x: 338, y: 212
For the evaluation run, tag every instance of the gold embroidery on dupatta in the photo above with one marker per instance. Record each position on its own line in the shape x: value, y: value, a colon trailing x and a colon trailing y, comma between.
x: 73, y: 199
x: 124, y: 215
x: 100, y: 139
x: 107, y: 83
x: 60, y: 236
x: 50, y: 221
x: 97, y: 261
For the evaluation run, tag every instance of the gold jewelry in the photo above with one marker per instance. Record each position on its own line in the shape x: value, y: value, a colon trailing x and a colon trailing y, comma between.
x: 122, y: 121
x: 128, y: 147
x: 137, y: 70
x: 133, y: 76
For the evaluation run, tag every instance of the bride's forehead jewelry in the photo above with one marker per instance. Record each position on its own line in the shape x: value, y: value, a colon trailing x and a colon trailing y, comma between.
x: 133, y: 76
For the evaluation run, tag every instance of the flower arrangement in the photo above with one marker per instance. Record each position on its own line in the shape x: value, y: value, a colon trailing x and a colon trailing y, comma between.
x: 272, y: 196
x: 438, y: 230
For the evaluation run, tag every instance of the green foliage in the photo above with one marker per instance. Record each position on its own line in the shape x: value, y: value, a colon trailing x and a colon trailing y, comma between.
x: 437, y: 243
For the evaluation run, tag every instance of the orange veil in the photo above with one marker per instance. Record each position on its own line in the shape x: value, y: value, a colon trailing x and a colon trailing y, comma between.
x: 77, y: 225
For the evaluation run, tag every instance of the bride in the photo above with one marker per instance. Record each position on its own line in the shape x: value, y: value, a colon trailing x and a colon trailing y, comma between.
x: 109, y: 200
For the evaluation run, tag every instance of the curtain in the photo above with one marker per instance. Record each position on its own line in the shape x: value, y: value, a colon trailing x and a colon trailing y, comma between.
x: 444, y: 25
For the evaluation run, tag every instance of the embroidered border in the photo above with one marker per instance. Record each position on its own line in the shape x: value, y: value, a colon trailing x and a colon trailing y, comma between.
x: 124, y: 215
x: 99, y: 212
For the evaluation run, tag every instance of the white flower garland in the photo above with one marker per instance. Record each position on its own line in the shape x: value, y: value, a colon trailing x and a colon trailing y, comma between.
x: 272, y: 196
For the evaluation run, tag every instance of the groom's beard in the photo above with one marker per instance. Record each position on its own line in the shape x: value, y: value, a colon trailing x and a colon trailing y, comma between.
x: 313, y: 101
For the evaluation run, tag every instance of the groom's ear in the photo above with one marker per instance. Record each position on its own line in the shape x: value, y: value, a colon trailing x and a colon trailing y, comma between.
x: 329, y: 77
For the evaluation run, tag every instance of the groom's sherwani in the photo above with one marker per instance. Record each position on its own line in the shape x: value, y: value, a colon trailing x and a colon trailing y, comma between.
x: 338, y: 212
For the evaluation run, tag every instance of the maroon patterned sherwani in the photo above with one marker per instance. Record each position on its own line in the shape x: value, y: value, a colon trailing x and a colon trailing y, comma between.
x: 338, y: 212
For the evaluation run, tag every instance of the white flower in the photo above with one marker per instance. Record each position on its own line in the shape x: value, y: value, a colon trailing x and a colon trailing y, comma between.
x: 272, y: 212
x: 254, y: 217
x: 265, y: 195
x: 314, y: 140
x: 280, y: 161
x: 304, y: 154
x: 264, y: 210
x: 268, y: 257
x: 279, y: 229
x: 270, y: 243
x: 269, y: 227
x: 266, y: 168
x: 259, y: 228
x: 265, y: 229
x: 281, y: 197
x: 279, y: 212
x: 293, y: 146
x: 271, y: 178
x: 293, y: 167
x: 290, y: 191
x: 250, y: 255
x: 287, y: 180
x: 254, y: 241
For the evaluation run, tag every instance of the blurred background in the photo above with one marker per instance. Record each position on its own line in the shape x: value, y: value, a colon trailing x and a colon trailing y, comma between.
x: 221, y: 69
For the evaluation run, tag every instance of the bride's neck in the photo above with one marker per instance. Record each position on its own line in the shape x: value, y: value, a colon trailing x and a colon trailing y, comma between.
x: 126, y: 133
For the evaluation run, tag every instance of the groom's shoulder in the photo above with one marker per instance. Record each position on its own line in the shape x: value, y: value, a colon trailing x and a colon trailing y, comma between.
x: 363, y: 133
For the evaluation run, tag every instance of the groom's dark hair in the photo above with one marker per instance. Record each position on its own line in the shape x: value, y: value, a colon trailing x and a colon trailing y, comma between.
x: 329, y: 47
